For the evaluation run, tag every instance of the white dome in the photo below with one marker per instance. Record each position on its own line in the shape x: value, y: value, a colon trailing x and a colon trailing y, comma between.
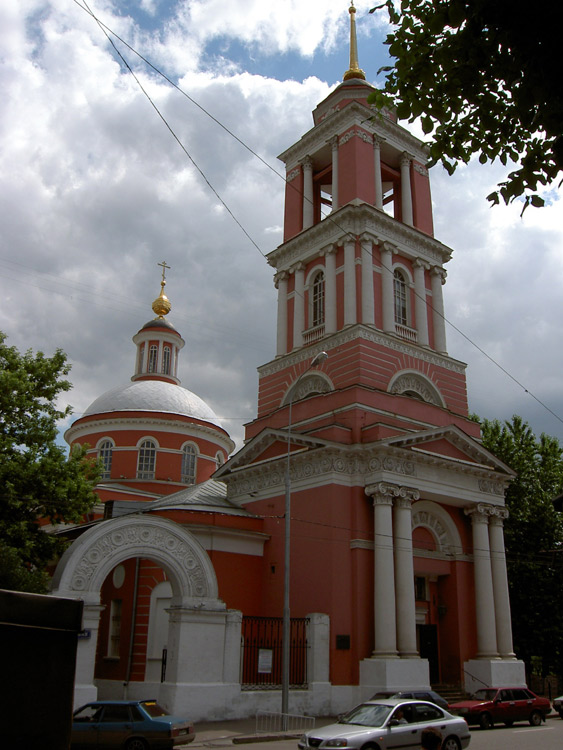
x: 153, y: 395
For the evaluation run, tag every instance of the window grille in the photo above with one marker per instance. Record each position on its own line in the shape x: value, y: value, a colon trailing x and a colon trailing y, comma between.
x: 147, y: 460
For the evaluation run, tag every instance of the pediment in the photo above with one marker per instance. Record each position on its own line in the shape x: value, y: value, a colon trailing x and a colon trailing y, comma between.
x: 270, y: 445
x: 449, y: 443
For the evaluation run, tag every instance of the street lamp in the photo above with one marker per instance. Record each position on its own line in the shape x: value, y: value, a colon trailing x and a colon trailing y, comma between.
x: 286, y: 647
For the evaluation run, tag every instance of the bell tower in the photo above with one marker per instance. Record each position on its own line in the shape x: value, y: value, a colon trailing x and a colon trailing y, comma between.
x: 359, y: 273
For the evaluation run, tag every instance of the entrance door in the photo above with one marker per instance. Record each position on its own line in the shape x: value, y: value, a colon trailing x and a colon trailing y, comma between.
x: 428, y: 646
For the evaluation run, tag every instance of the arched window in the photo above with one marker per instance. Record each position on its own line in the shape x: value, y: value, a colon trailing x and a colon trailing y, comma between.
x: 400, y: 292
x: 166, y: 360
x: 318, y: 300
x: 147, y: 460
x: 153, y: 357
x: 105, y: 454
x: 140, y: 360
x: 189, y: 464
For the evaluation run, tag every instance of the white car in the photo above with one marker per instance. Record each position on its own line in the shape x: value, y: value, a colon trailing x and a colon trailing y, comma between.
x: 387, y: 723
x: 558, y: 705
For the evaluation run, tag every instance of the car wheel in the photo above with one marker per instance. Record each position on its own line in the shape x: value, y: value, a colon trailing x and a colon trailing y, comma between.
x: 370, y: 746
x: 508, y: 723
x: 136, y: 743
x: 451, y: 743
x: 486, y: 721
x: 536, y: 718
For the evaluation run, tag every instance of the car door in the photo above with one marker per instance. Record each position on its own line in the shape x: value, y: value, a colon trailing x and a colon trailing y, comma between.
x: 405, y: 735
x: 523, y: 704
x: 504, y: 708
x: 115, y: 727
x: 427, y: 715
x: 85, y: 727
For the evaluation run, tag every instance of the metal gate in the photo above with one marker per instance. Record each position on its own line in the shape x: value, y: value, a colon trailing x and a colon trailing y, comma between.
x: 262, y: 639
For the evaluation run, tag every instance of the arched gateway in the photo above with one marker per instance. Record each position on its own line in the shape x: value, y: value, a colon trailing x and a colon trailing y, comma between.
x: 203, y: 637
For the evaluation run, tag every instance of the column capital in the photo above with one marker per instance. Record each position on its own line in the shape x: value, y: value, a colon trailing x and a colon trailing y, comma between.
x: 387, y: 247
x: 383, y: 493
x: 419, y: 263
x: 299, y: 266
x: 328, y: 250
x: 439, y: 271
x: 378, y: 140
x: 498, y: 515
x: 406, y: 159
x: 307, y: 162
x: 366, y: 237
x: 280, y: 276
x: 333, y: 142
x: 480, y: 513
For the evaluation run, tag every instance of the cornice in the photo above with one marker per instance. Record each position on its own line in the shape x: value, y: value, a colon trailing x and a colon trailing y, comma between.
x: 351, y: 466
x: 374, y: 335
x: 174, y: 425
x: 354, y: 219
x: 354, y: 114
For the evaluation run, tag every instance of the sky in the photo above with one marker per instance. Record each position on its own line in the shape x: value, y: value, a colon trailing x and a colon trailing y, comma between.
x: 97, y: 188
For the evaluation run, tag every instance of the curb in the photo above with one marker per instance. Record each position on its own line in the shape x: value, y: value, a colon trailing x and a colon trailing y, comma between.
x: 244, y: 739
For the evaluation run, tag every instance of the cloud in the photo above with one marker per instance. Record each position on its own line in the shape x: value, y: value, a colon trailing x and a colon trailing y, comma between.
x: 95, y: 191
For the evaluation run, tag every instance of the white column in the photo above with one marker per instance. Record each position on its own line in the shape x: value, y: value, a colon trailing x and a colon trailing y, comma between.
x: 384, y: 582
x: 377, y: 166
x: 484, y: 599
x: 404, y: 573
x: 298, y: 306
x: 281, y: 284
x: 437, y: 276
x: 500, y: 584
x: 349, y: 283
x: 159, y: 357
x: 387, y: 293
x: 308, y: 213
x: 406, y: 193
x: 330, y: 289
x: 368, y: 300
x: 334, y: 144
x: 420, y: 302
x: 146, y: 352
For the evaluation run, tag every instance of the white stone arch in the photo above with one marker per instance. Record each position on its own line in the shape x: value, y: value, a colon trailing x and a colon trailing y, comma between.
x: 88, y: 561
x: 440, y: 524
x: 198, y: 618
x: 413, y: 381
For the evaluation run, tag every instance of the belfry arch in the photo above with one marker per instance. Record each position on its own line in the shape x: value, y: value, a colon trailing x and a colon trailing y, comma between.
x: 199, y: 621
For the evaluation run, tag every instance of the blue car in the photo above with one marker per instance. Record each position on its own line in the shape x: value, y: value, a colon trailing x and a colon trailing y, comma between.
x: 128, y: 725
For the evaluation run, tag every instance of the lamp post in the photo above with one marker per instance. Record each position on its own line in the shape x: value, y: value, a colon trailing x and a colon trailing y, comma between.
x: 286, y: 646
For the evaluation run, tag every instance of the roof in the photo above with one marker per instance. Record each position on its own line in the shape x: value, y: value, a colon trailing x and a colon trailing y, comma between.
x: 154, y: 396
x: 210, y: 495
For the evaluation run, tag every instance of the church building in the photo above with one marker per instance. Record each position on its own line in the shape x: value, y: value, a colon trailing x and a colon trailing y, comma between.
x: 362, y: 510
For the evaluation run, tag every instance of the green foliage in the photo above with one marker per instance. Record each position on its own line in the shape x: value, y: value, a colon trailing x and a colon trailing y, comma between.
x: 38, y: 484
x: 533, y: 537
x: 483, y: 78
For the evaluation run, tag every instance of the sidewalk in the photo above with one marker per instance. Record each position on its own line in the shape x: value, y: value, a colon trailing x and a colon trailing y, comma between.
x: 240, y: 731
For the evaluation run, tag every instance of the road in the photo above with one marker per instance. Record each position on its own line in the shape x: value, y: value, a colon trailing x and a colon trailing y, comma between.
x: 548, y: 736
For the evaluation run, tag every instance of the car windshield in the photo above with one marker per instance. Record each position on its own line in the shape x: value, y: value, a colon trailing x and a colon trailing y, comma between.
x: 485, y: 694
x: 367, y: 715
x: 153, y: 709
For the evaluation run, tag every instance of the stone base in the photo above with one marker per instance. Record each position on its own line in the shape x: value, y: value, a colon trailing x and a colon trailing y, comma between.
x: 481, y: 673
x: 392, y: 674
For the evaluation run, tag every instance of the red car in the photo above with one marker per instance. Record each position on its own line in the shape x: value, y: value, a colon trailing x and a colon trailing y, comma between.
x: 503, y: 705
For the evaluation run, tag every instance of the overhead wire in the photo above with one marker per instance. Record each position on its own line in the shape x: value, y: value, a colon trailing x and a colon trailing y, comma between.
x: 108, y: 32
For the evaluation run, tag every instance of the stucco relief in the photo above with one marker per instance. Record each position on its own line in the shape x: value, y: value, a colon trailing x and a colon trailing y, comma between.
x: 417, y: 384
x: 88, y: 561
x: 433, y: 523
x: 491, y: 487
x: 308, y: 385
x: 304, y: 467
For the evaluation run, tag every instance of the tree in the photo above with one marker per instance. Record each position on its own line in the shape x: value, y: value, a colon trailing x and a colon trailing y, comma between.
x: 481, y: 75
x: 533, y: 535
x: 39, y: 485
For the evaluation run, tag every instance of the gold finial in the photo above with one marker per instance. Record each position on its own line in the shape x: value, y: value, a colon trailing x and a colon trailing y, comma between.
x: 354, y: 71
x: 161, y: 306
